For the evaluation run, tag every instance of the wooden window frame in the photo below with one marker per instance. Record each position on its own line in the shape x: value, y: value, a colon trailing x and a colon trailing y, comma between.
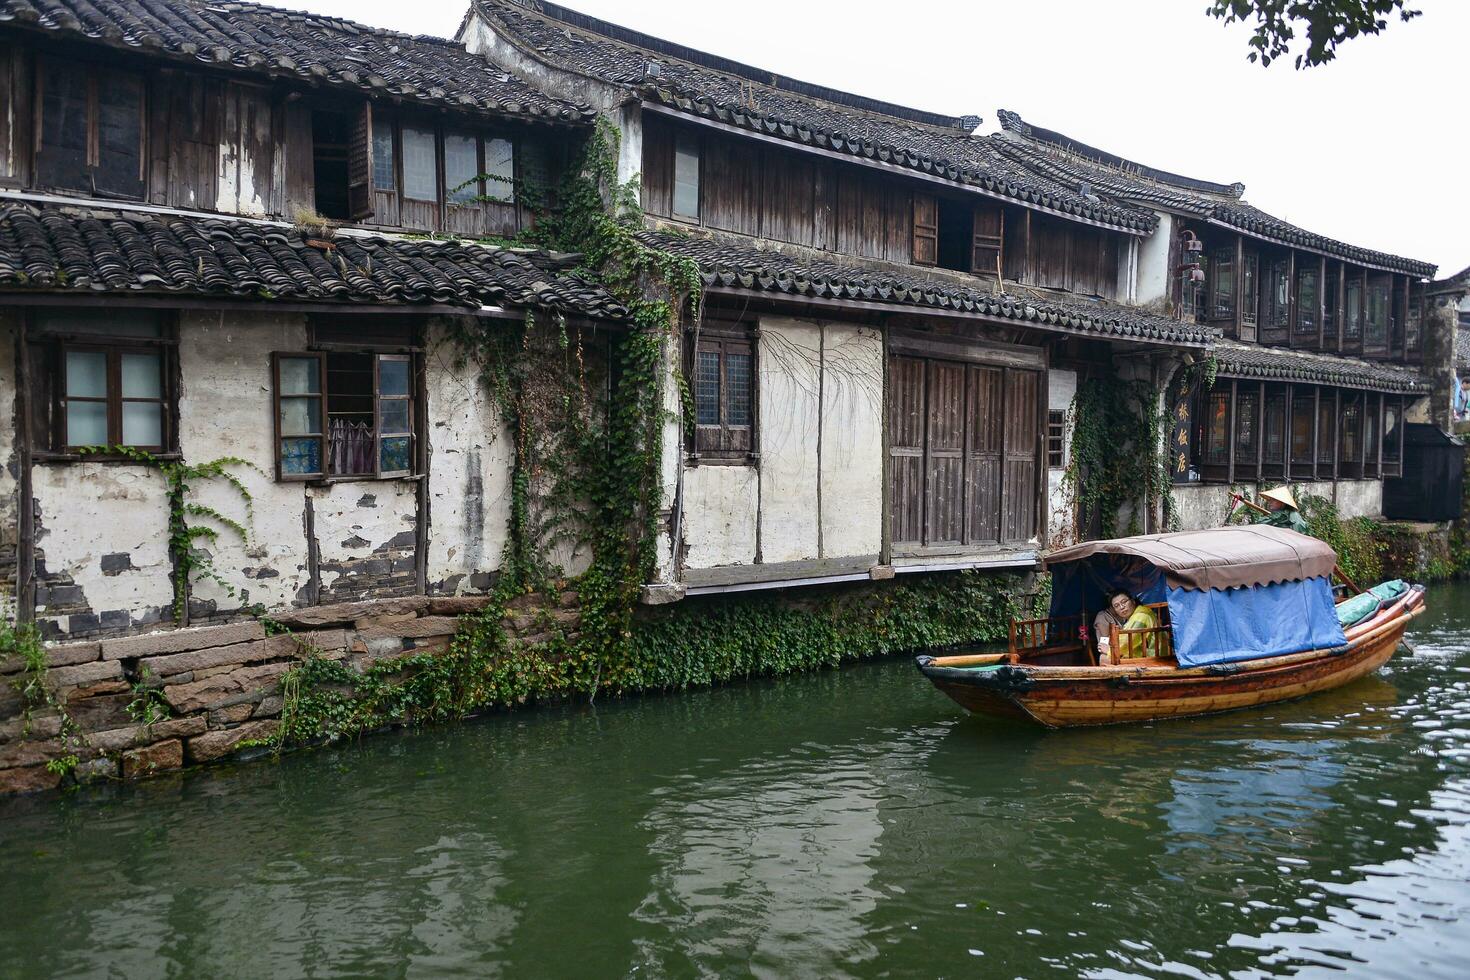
x: 1056, y: 438
x: 1224, y: 284
x: 320, y: 352
x: 1250, y: 294
x: 50, y: 349
x: 94, y: 76
x: 716, y: 443
x: 443, y: 206
x: 694, y: 141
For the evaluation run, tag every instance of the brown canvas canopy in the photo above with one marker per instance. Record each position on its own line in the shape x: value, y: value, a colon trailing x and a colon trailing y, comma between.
x: 1220, y: 558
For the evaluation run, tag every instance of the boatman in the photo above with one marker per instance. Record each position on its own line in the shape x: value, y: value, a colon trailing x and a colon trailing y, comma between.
x: 1278, y: 509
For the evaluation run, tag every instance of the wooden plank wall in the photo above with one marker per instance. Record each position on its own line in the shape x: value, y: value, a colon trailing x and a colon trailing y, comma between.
x: 764, y: 191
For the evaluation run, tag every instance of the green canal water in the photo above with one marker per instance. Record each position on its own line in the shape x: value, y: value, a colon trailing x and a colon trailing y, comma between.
x: 848, y: 823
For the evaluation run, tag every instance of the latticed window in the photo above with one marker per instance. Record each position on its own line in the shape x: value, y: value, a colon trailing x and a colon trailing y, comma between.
x: 1222, y: 275
x: 1056, y: 438
x: 1249, y: 289
x: 1247, y: 427
x: 724, y: 395
x: 1352, y: 321
x: 1308, y: 301
x: 1217, y: 428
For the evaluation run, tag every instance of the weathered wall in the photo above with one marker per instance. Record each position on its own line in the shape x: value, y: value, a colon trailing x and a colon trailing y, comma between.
x: 1204, y: 506
x: 102, y: 552
x: 225, y: 410
x: 9, y: 466
x: 817, y: 489
x: 1155, y: 263
x: 1061, y: 521
x: 469, y: 459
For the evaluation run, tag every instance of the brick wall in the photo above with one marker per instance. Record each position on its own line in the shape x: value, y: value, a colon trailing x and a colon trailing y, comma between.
x: 220, y: 684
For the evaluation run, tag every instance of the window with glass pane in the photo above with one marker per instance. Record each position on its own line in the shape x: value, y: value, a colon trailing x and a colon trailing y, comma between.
x: 1375, y: 323
x: 1352, y: 323
x: 1307, y: 302
x: 420, y: 180
x: 1326, y: 438
x: 1303, y: 436
x: 686, y: 176
x: 113, y: 397
x: 345, y: 414
x: 383, y: 156
x: 500, y: 170
x: 1371, y: 408
x: 1280, y: 293
x: 1329, y: 304
x: 1222, y: 271
x: 1393, y: 434
x: 395, y: 415
x: 299, y: 414
x: 1249, y: 290
x: 724, y: 394
x: 1246, y: 428
x: 1350, y: 430
x: 1274, y: 429
x: 1217, y: 428
x: 461, y: 168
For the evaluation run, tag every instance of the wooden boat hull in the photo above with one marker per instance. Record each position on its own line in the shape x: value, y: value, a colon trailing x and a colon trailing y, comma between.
x: 1068, y: 697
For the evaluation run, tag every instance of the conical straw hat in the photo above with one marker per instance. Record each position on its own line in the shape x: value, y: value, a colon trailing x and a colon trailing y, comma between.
x: 1281, y: 495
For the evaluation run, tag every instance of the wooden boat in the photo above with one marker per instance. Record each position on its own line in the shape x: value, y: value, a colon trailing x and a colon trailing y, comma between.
x: 1050, y: 674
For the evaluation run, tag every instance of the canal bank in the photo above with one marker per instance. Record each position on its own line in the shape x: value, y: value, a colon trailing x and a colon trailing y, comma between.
x: 134, y: 707
x: 841, y: 823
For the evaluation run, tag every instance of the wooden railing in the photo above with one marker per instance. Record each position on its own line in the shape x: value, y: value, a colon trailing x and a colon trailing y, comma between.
x: 1038, y: 635
x: 1135, y: 644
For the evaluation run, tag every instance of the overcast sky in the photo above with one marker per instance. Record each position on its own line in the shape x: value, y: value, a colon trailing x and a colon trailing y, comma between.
x: 1373, y: 149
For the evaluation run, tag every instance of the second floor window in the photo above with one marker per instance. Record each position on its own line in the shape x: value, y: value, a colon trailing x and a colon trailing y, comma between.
x: 1352, y: 314
x: 1222, y: 271
x: 1278, y: 296
x: 724, y: 395
x: 1249, y: 290
x: 1308, y: 302
x: 89, y: 128
x: 686, y: 177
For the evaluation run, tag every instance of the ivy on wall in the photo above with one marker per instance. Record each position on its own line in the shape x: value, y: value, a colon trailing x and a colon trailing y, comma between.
x: 1118, y: 463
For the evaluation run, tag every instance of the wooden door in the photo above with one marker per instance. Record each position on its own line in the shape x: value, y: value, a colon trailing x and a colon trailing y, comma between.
x: 963, y: 454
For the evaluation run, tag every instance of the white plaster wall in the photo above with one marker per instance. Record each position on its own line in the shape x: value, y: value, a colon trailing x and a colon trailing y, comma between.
x: 1154, y: 262
x: 1201, y: 506
x: 225, y: 409
x: 469, y: 472
x: 852, y: 441
x: 358, y: 520
x: 723, y: 504
x: 671, y: 462
x: 481, y: 38
x: 1360, y: 498
x: 789, y: 356
x: 1061, y: 521
x: 87, y: 510
x: 9, y: 501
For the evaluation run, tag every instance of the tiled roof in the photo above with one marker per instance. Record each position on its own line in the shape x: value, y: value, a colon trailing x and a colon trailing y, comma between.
x: 1066, y: 160
x: 1237, y: 360
x: 100, y: 250
x: 731, y: 265
x: 705, y: 85
x: 301, y: 46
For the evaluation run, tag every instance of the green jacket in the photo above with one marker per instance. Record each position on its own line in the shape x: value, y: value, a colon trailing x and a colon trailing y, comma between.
x: 1287, y: 517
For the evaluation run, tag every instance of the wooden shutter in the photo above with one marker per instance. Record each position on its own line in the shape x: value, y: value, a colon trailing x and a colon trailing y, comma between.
x: 944, y: 456
x: 926, y: 230
x: 983, y: 468
x: 989, y: 233
x: 360, y: 166
x: 906, y: 410
x: 1018, y: 496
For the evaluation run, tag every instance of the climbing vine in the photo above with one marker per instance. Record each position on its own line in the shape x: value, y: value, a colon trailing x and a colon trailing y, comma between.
x: 1118, y: 463
x: 186, y: 533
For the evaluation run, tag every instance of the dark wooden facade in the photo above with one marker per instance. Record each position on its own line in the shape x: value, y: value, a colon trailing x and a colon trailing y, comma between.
x: 747, y: 187
x: 213, y: 142
x: 1259, y: 292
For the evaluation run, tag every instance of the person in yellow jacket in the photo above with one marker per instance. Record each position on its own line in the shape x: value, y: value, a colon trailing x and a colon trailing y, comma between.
x: 1128, y: 614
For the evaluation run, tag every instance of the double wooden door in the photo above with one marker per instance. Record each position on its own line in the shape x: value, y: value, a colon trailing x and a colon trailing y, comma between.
x: 963, y: 451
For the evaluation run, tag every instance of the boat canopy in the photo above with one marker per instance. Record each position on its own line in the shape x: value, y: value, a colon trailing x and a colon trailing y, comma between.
x: 1234, y: 593
x: 1220, y: 558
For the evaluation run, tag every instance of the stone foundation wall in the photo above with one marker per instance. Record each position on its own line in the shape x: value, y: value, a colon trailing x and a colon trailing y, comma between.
x: 213, y: 688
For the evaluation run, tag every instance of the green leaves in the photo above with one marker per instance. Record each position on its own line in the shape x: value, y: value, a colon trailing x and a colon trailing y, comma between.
x: 1327, y: 24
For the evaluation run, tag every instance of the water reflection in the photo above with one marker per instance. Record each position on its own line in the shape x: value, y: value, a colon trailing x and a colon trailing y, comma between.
x: 850, y: 823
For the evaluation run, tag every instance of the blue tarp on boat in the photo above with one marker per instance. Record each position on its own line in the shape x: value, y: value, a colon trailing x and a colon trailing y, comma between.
x: 1221, y: 626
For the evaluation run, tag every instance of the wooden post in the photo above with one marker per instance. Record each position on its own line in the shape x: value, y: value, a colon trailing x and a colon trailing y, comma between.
x: 25, y: 545
x: 1231, y: 421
